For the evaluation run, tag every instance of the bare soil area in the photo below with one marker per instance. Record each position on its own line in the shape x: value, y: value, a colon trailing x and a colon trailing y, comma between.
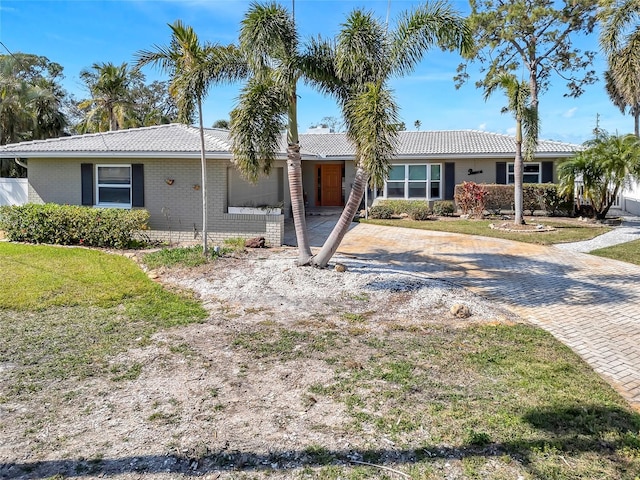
x: 233, y: 397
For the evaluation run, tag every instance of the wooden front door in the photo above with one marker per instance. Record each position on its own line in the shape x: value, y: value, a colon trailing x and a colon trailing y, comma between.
x: 330, y: 185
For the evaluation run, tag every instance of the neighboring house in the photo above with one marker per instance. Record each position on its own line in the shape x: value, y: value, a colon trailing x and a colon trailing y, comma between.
x: 158, y: 168
x: 630, y: 199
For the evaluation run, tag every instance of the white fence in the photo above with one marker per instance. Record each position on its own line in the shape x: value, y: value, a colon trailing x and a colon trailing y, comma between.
x: 13, y: 191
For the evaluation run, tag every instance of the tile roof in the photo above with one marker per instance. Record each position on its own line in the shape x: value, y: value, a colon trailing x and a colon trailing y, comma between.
x: 435, y: 143
x: 180, y: 139
x: 170, y: 138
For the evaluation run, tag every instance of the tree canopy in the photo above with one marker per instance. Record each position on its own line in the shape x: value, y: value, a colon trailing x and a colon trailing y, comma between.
x: 532, y: 36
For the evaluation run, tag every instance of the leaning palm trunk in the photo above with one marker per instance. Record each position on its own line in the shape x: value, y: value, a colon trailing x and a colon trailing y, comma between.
x: 294, y: 170
x: 342, y: 227
x: 203, y: 163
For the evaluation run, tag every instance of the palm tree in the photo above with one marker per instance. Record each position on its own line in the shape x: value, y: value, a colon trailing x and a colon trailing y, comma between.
x: 360, y: 63
x: 604, y: 168
x: 620, y: 40
x: 527, y: 122
x: 269, y: 41
x: 109, y: 87
x: 193, y: 68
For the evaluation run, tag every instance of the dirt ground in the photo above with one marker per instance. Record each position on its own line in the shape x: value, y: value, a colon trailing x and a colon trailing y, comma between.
x: 203, y: 404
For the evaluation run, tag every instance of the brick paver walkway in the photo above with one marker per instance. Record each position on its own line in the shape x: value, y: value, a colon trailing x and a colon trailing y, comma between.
x: 589, y: 303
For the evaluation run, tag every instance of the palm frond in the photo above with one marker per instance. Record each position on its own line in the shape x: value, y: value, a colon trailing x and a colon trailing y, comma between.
x: 256, y: 125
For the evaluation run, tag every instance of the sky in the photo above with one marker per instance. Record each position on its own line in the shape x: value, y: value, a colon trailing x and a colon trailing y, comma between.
x: 79, y: 33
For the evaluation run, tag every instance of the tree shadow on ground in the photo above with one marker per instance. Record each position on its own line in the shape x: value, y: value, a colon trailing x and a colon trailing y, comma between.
x: 515, y: 280
x: 565, y: 430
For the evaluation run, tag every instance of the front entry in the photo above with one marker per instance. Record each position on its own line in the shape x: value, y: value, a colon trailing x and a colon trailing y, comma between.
x: 330, y: 185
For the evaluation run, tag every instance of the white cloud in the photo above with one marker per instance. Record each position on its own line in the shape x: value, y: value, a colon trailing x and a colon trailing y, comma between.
x: 511, y: 130
x: 482, y: 127
x: 570, y: 113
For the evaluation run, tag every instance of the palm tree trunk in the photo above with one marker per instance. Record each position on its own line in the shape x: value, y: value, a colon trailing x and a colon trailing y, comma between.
x: 342, y: 227
x: 518, y: 167
x: 296, y: 189
x: 203, y: 163
x: 294, y: 170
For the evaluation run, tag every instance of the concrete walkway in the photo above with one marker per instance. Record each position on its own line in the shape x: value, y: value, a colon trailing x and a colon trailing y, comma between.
x: 591, y: 304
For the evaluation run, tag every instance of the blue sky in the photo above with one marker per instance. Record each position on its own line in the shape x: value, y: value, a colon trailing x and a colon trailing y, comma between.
x: 78, y: 33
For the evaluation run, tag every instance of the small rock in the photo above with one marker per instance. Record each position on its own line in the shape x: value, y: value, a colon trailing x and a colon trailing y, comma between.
x: 257, y: 242
x: 464, y: 216
x: 460, y: 311
x: 153, y: 275
x: 340, y: 267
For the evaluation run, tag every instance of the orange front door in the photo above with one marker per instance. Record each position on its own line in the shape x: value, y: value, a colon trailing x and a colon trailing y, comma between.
x: 331, y: 185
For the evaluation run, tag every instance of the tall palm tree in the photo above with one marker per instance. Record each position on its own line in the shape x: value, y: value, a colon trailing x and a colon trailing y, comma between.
x: 109, y: 87
x: 269, y: 41
x: 527, y: 123
x: 360, y: 64
x: 620, y: 41
x: 193, y: 68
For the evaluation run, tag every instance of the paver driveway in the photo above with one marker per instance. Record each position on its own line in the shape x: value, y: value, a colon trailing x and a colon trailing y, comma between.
x: 589, y: 303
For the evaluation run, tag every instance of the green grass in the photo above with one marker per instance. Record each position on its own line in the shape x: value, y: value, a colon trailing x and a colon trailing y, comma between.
x: 626, y: 252
x: 503, y: 401
x: 65, y: 311
x: 565, y: 232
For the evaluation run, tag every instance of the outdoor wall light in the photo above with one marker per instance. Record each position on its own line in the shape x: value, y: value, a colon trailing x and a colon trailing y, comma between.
x: 169, y: 181
x: 196, y: 187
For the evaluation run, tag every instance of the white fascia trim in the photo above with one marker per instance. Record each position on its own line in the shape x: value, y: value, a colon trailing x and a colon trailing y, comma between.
x: 150, y: 155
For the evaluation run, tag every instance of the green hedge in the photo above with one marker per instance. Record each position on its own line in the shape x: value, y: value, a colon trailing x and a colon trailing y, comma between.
x: 72, y: 225
x: 536, y: 196
x: 415, y: 209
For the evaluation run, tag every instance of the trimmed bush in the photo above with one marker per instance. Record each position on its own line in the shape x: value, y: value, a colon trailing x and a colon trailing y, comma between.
x: 443, y: 208
x: 381, y: 211
x: 419, y: 211
x: 499, y: 197
x: 72, y: 225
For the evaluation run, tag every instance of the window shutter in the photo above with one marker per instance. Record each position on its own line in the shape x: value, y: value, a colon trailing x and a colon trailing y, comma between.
x: 501, y: 173
x: 547, y: 172
x: 449, y: 180
x: 86, y: 171
x: 137, y: 185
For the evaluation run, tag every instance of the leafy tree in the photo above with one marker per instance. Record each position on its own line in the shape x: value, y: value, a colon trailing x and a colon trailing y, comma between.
x: 535, y: 36
x: 109, y: 86
x: 193, y: 67
x: 222, y: 123
x: 153, y: 105
x: 603, y: 169
x: 620, y: 41
x: 31, y: 98
x: 518, y: 95
x: 357, y: 69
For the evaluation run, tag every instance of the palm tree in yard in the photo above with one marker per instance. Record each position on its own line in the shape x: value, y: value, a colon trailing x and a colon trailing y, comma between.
x: 364, y: 58
x: 355, y: 69
x: 604, y: 168
x: 527, y: 126
x: 193, y: 68
x: 269, y: 41
x: 620, y: 41
x: 109, y: 87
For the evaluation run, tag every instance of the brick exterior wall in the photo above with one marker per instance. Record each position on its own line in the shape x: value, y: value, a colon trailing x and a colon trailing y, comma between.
x: 175, y: 209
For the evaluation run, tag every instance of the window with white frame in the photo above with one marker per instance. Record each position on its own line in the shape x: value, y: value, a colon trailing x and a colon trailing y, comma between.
x: 113, y: 185
x: 532, y: 173
x: 415, y: 181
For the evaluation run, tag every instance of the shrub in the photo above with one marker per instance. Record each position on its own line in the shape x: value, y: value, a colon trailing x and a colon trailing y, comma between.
x: 72, y: 225
x: 381, y: 211
x: 443, y: 208
x: 471, y: 197
x: 499, y: 197
x: 419, y: 211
